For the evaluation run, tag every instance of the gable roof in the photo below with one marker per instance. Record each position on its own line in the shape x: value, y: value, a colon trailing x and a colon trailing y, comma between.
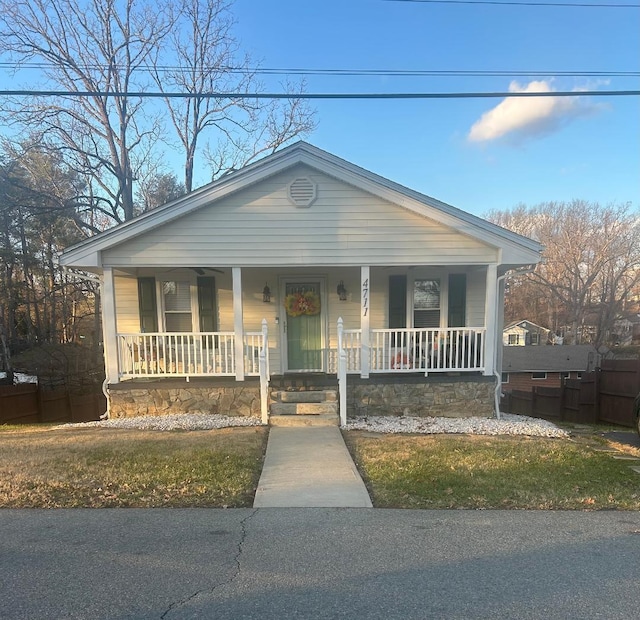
x: 549, y: 358
x: 526, y: 325
x: 516, y: 248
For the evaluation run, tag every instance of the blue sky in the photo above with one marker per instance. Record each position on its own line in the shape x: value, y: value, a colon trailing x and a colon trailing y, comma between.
x: 476, y: 154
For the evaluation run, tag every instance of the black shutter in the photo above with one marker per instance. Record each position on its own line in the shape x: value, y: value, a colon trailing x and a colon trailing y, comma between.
x: 207, y: 304
x: 457, y: 300
x: 397, y: 302
x: 147, y: 305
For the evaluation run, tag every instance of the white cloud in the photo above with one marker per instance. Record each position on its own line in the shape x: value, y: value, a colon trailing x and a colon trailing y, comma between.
x: 523, y: 118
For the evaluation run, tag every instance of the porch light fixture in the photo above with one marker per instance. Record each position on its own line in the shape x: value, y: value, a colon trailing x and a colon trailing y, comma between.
x: 266, y: 294
x: 342, y: 291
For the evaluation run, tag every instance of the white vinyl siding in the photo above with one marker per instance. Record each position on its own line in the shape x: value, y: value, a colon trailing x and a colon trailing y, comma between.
x: 258, y: 225
x: 127, y: 308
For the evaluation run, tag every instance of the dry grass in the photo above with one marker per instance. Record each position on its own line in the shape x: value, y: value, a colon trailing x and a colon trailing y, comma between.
x: 100, y: 468
x: 458, y: 471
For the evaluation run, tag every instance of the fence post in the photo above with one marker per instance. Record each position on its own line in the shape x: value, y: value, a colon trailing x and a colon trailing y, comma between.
x: 39, y: 403
x: 596, y: 396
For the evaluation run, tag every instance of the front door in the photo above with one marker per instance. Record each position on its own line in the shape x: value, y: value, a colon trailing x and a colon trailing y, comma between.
x: 304, y: 325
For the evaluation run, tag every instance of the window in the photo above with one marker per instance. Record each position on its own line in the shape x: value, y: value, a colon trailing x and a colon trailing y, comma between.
x: 538, y: 375
x: 514, y: 339
x: 426, y: 303
x: 535, y: 338
x: 179, y: 302
x: 176, y: 297
x: 505, y: 377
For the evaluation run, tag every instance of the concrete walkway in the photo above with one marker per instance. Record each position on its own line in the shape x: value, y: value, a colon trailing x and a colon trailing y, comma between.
x: 309, y: 467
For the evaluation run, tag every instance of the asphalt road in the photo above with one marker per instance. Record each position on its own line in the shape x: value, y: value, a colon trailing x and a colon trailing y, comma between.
x: 318, y: 563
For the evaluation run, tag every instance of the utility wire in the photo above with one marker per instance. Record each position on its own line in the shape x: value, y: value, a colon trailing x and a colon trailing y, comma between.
x: 355, y: 72
x: 222, y: 95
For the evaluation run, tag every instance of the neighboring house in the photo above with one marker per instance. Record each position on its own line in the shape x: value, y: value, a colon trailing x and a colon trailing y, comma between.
x: 525, y: 367
x: 525, y: 333
x: 226, y: 297
x: 626, y: 330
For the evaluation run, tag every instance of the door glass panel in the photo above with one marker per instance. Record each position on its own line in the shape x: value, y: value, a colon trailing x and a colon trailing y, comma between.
x: 304, y: 326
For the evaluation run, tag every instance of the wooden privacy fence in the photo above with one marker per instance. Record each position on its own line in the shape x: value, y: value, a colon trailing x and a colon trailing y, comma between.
x: 30, y: 404
x: 605, y: 395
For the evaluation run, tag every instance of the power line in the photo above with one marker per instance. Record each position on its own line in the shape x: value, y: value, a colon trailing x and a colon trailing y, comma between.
x: 580, y: 5
x: 453, y: 95
x: 355, y: 72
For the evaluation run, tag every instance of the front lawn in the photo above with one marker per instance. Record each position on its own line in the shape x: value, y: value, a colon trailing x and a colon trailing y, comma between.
x: 100, y: 468
x: 479, y: 472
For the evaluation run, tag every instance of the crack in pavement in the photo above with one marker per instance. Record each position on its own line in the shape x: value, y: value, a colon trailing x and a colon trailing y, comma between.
x: 230, y: 579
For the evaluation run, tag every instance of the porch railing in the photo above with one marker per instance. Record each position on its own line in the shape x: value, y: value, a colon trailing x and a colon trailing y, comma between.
x: 186, y: 354
x: 428, y: 350
x: 390, y: 351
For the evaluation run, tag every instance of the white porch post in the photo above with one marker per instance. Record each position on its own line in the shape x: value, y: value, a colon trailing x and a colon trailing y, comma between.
x: 342, y: 374
x: 236, y: 273
x: 109, y: 327
x: 491, y: 318
x: 365, y: 288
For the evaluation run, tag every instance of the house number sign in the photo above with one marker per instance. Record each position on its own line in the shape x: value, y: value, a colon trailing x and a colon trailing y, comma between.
x: 365, y: 297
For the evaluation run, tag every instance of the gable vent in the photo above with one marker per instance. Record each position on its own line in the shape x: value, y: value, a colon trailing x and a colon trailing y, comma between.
x: 302, y: 192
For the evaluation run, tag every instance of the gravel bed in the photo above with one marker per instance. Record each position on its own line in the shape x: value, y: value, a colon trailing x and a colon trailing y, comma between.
x: 509, y: 424
x: 182, y: 421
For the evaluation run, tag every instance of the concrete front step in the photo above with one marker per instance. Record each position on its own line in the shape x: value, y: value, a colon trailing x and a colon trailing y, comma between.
x: 322, y: 419
x: 304, y: 396
x: 304, y: 408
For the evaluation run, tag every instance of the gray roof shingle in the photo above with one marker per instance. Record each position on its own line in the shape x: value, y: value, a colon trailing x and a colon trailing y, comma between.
x: 547, y: 358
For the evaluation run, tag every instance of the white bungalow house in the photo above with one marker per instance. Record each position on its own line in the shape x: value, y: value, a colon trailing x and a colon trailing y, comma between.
x: 526, y: 333
x: 299, y: 272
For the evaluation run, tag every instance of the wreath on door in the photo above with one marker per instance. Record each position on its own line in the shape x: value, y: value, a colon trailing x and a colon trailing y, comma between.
x: 302, y: 304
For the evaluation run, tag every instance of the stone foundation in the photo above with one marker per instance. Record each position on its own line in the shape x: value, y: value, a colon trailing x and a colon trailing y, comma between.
x: 130, y: 401
x: 450, y: 397
x: 380, y: 395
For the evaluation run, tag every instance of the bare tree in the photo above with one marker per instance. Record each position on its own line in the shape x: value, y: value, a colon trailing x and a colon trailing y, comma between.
x: 209, y: 61
x: 101, y: 47
x: 590, y: 265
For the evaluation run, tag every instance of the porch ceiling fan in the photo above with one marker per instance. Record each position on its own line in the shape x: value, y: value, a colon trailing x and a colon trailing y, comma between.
x: 199, y: 270
x: 202, y: 270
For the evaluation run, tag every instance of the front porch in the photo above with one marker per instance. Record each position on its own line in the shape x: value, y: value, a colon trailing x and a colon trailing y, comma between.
x: 393, y: 372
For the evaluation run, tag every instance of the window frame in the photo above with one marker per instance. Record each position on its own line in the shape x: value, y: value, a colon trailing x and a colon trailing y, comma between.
x: 193, y: 309
x: 442, y: 296
x: 538, y: 372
